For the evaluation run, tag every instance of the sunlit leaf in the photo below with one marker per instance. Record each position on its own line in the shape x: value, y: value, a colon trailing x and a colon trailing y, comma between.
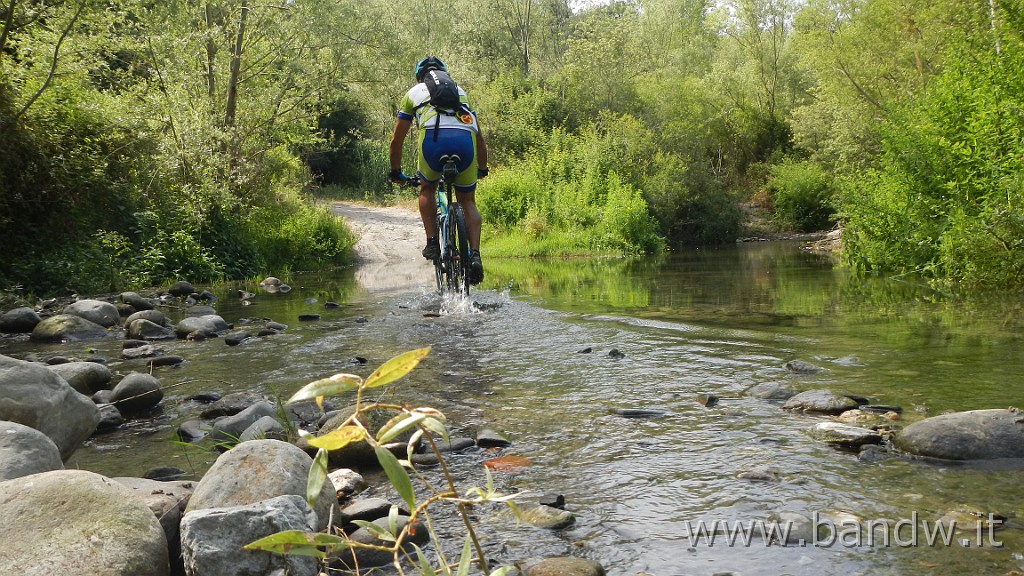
x: 505, y: 571
x: 379, y: 532
x: 438, y: 428
x: 397, y: 425
x: 317, y: 477
x: 397, y: 475
x: 298, y: 543
x: 396, y: 368
x: 507, y: 463
x: 329, y: 386
x: 338, y: 439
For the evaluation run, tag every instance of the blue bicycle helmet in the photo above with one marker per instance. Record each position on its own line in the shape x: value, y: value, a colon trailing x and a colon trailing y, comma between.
x: 426, y: 65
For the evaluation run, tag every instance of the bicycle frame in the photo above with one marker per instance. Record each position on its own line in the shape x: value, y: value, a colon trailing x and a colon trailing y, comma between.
x: 451, y: 270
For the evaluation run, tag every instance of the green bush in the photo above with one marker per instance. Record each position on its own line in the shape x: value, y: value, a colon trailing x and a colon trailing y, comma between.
x: 801, y: 195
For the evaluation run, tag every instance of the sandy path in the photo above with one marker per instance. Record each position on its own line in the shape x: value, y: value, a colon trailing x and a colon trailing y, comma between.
x: 388, y: 250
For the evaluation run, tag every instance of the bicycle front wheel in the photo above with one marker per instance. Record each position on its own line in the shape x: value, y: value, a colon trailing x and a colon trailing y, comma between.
x: 458, y: 238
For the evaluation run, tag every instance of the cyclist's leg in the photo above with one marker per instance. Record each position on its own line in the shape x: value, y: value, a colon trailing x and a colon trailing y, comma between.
x: 428, y: 186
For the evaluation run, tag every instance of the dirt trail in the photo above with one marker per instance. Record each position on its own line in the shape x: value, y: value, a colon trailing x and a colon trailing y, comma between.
x: 388, y: 250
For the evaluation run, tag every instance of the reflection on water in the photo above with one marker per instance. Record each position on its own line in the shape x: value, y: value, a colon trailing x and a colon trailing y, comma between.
x: 530, y: 358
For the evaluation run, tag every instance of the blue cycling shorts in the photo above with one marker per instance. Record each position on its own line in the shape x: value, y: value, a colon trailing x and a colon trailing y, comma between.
x: 449, y: 141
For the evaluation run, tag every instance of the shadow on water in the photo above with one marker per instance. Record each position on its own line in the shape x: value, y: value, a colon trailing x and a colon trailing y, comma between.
x: 531, y: 356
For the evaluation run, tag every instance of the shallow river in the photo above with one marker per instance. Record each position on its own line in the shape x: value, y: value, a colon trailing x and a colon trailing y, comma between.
x: 701, y: 322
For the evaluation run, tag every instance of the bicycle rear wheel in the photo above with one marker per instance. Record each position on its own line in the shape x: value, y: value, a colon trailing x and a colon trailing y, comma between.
x: 458, y: 250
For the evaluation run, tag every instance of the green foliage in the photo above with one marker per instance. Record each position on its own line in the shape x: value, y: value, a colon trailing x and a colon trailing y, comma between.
x: 801, y: 195
x: 946, y: 197
x: 426, y: 424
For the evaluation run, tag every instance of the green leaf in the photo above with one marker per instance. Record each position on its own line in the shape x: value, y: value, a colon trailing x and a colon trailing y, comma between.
x: 438, y: 428
x: 338, y: 439
x: 298, y: 543
x: 504, y: 571
x: 330, y: 386
x: 421, y: 559
x: 397, y: 425
x: 397, y: 475
x: 376, y: 530
x: 317, y: 477
x: 396, y: 368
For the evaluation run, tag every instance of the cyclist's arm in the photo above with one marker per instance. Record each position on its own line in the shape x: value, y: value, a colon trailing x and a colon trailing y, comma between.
x: 397, y: 141
x: 481, y: 151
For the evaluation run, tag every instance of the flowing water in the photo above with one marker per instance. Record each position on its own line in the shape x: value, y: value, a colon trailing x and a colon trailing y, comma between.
x: 531, y: 357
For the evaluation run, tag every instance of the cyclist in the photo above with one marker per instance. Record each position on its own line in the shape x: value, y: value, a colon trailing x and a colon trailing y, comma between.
x: 457, y: 133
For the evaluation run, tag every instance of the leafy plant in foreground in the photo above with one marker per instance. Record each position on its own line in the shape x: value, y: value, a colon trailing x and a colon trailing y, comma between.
x: 429, y: 424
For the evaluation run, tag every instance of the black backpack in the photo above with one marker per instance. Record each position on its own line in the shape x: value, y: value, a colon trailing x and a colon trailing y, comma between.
x: 444, y: 96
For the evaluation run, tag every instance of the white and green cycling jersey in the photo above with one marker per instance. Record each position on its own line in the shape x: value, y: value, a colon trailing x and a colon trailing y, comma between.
x: 415, y: 106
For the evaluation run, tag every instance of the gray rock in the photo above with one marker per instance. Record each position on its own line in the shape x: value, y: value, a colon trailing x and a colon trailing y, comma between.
x: 155, y: 316
x: 142, y: 329
x: 566, y: 566
x: 25, y: 451
x: 368, y: 509
x: 146, y: 351
x: 136, y: 392
x: 85, y: 377
x: 258, y: 470
x: 110, y: 417
x: 193, y: 430
x: 19, y: 321
x: 210, y: 323
x: 181, y: 289
x: 771, y: 391
x: 823, y: 401
x: 33, y: 395
x: 228, y: 429
x: 231, y: 404
x: 136, y: 301
x: 67, y: 328
x: 265, y: 427
x: 103, y: 313
x: 212, y: 538
x: 972, y: 435
x: 546, y: 516
x: 346, y: 482
x: 167, y: 501
x: 77, y: 522
x: 801, y: 367
x: 487, y: 438
x: 844, y: 435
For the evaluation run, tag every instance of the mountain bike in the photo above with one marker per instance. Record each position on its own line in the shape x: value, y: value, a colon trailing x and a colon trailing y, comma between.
x: 451, y: 269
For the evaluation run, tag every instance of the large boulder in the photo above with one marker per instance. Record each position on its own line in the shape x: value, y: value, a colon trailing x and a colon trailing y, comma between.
x: 33, y: 395
x: 77, y: 522
x: 972, y: 435
x: 19, y: 320
x: 25, y: 451
x: 85, y: 377
x: 67, y: 328
x: 259, y: 470
x: 103, y: 313
x: 212, y: 538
